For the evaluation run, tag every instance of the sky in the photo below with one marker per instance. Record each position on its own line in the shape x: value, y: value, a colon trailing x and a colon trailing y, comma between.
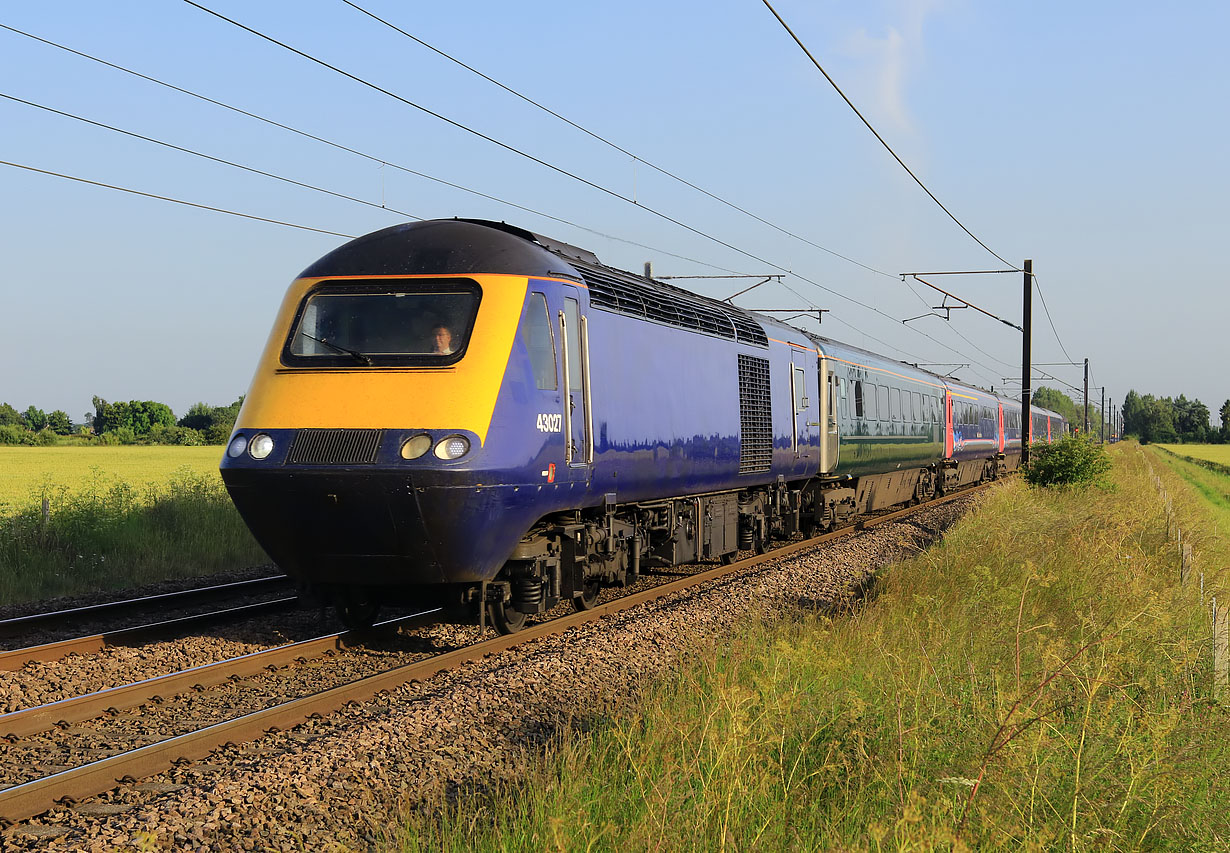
x: 1088, y: 137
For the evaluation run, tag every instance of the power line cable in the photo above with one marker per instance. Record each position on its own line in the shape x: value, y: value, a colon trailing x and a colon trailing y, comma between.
x: 1047, y: 311
x: 876, y: 134
x: 210, y: 157
x: 371, y: 157
x: 908, y: 170
x: 608, y: 191
x: 614, y: 145
x: 174, y: 200
x: 558, y: 169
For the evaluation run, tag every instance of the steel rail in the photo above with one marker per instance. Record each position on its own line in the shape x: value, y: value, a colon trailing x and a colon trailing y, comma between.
x: 17, y: 624
x: 12, y: 660
x: 75, y: 709
x: 40, y: 795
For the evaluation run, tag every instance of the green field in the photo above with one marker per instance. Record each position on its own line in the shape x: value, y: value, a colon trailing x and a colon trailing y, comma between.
x: 29, y: 473
x: 1219, y: 453
x: 119, y: 517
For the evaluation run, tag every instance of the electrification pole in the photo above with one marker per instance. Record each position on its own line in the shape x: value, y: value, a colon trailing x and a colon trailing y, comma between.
x: 1102, y: 417
x: 1027, y: 321
x: 1086, y: 396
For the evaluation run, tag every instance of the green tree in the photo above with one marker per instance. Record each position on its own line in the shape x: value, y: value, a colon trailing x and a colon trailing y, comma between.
x: 1225, y: 420
x: 1191, y: 419
x: 9, y: 416
x: 200, y: 417
x: 34, y: 419
x: 59, y: 422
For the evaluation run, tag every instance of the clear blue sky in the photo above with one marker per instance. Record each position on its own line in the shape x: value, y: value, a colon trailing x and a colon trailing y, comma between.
x: 1088, y: 137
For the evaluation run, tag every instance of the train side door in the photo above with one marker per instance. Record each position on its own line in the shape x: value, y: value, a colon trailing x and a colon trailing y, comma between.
x: 578, y: 411
x: 830, y: 437
x: 803, y: 424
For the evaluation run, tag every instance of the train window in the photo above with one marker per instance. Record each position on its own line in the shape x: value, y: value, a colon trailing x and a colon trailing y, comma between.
x: 383, y: 323
x: 859, y: 405
x: 869, y: 403
x: 539, y: 342
x: 895, y: 397
x: 917, y: 403
x: 572, y: 318
x: 882, y: 401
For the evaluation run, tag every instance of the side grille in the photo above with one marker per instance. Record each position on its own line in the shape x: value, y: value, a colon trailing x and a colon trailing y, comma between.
x: 624, y: 293
x: 334, y: 447
x: 755, y: 415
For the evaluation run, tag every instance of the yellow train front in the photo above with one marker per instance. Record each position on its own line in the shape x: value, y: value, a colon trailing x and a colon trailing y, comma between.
x: 365, y: 460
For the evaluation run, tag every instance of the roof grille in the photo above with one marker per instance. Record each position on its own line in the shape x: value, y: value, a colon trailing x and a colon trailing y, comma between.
x: 334, y: 447
x: 624, y: 293
x: 755, y: 416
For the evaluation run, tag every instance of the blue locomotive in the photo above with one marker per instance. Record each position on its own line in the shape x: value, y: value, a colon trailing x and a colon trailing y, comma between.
x: 467, y: 414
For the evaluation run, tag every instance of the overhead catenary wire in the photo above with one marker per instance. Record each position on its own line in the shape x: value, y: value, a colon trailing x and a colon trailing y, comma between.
x: 617, y: 147
x: 371, y: 157
x: 210, y: 157
x: 174, y: 200
x: 379, y: 160
x: 880, y: 138
x: 908, y: 170
x: 551, y: 166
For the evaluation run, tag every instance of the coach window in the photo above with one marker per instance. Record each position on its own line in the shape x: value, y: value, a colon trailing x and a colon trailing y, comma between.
x: 882, y: 401
x: 869, y: 403
x: 895, y: 396
x: 858, y: 399
x: 539, y: 342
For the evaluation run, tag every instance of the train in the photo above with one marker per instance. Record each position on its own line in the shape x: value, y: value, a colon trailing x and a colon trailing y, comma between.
x: 464, y: 414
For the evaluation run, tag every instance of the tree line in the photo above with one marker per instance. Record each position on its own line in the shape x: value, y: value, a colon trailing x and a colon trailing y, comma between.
x: 1167, y: 419
x: 131, y: 422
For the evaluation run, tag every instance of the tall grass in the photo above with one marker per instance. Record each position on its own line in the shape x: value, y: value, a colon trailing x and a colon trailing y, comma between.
x: 1038, y: 681
x: 109, y: 534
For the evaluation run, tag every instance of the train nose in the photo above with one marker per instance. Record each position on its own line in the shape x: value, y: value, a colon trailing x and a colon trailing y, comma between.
x: 322, y: 527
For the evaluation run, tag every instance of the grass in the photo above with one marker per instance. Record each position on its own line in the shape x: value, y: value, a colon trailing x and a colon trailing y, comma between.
x: 1205, y: 501
x: 1037, y: 681
x: 105, y: 532
x: 29, y: 472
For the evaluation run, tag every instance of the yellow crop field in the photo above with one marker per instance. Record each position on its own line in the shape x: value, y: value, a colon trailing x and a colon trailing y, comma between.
x: 1219, y: 453
x: 26, y: 473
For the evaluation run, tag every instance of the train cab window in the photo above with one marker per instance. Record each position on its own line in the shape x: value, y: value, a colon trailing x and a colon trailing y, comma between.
x: 377, y: 323
x: 859, y: 403
x: 539, y: 342
x: 882, y: 401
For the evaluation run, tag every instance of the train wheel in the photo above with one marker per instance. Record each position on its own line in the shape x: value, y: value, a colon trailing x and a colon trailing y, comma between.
x: 587, y: 599
x: 357, y: 609
x: 505, y: 619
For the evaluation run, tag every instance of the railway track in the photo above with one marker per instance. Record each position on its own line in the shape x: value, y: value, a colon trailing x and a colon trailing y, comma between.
x: 14, y: 659
x: 116, y: 611
x: 71, y: 784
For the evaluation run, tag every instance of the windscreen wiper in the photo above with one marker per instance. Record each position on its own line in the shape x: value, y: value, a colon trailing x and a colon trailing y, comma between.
x: 353, y: 353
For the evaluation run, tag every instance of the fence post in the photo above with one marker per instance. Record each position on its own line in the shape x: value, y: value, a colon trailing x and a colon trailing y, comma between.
x: 46, y: 514
x: 1221, y: 653
x: 1185, y: 564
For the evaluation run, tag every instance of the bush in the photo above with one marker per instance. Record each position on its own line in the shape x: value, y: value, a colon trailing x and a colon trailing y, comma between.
x: 10, y: 434
x: 1074, y: 460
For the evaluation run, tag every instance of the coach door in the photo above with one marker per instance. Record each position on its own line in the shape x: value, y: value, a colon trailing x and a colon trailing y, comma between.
x: 830, y: 438
x: 804, y: 423
x: 578, y: 412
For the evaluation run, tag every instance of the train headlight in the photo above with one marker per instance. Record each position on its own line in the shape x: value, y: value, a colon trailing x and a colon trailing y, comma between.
x: 261, y: 446
x: 237, y: 446
x: 453, y: 447
x: 413, y: 448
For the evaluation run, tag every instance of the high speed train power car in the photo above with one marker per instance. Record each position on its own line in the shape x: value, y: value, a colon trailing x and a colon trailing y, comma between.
x: 464, y: 414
